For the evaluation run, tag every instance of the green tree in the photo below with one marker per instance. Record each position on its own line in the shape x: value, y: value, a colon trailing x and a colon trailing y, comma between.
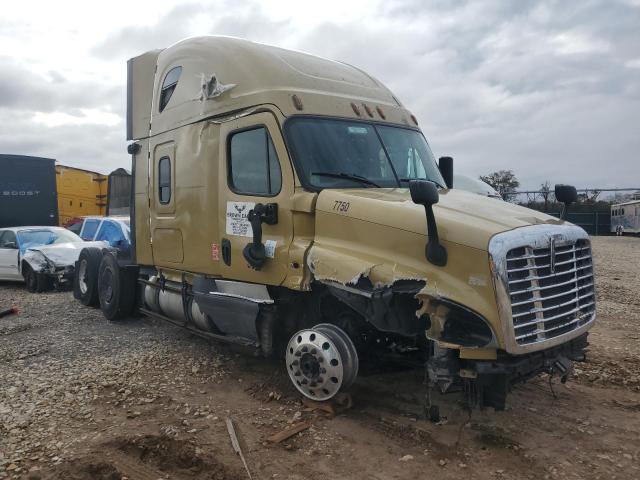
x: 504, y: 181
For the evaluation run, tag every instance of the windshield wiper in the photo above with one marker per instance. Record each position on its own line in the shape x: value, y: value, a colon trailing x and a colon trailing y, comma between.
x: 407, y: 180
x: 348, y: 176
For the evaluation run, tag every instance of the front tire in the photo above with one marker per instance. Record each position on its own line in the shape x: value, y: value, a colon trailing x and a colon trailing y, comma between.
x: 85, y: 277
x: 35, y: 282
x: 116, y: 289
x: 321, y: 361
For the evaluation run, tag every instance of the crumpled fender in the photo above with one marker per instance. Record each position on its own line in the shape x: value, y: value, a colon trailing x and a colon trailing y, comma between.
x: 346, y: 250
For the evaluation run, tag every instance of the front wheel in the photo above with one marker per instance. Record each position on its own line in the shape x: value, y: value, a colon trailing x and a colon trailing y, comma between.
x: 35, y: 282
x: 321, y: 361
x: 116, y: 289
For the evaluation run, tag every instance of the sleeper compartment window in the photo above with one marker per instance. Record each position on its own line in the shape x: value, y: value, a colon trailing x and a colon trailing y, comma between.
x: 168, y: 86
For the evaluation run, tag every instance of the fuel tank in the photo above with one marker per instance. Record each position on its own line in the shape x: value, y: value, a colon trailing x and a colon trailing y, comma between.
x: 169, y: 304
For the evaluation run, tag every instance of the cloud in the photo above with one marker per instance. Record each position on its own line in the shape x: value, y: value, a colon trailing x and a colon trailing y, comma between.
x: 549, y: 89
x: 22, y: 88
x: 245, y: 20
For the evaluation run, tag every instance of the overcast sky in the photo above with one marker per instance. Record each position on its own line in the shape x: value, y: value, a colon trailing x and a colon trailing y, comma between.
x: 549, y: 89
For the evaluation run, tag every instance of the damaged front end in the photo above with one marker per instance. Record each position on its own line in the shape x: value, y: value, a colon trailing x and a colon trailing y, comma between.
x: 60, y: 276
x: 56, y: 262
x: 544, y: 284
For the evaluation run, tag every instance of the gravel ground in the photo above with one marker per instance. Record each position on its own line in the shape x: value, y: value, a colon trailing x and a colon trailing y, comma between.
x: 84, y: 398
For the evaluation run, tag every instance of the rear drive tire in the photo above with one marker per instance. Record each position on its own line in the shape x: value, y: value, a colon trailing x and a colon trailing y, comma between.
x: 85, y: 277
x: 116, y: 289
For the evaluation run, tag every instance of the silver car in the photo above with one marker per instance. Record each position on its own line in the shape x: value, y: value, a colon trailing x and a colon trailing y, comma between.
x: 42, y: 257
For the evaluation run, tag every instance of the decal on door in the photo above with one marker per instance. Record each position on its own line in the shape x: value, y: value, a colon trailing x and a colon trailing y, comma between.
x: 270, y: 248
x: 237, y: 223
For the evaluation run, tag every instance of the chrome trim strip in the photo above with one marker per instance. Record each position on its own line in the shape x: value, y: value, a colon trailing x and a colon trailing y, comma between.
x: 248, y: 291
x: 547, y: 287
x: 577, y: 259
x: 534, y: 237
x: 555, y: 317
x: 543, y: 277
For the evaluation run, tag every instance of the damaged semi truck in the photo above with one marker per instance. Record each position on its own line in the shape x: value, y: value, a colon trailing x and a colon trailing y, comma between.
x: 292, y: 205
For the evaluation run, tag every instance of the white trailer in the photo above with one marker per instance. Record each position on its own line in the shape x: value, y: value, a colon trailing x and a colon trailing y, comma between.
x: 625, y: 217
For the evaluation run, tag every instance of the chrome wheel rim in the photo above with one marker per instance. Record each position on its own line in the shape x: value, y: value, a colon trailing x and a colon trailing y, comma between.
x: 321, y: 361
x: 82, y: 277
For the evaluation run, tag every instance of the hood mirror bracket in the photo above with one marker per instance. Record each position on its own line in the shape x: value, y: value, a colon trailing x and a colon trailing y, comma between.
x: 425, y: 193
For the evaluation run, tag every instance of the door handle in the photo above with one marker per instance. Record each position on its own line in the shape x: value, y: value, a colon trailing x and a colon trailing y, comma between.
x: 226, y: 251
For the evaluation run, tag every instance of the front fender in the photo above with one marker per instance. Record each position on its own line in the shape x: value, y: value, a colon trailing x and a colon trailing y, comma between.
x: 347, y: 250
x: 36, y: 261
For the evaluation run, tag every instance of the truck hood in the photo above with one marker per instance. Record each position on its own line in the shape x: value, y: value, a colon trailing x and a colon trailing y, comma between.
x: 462, y: 217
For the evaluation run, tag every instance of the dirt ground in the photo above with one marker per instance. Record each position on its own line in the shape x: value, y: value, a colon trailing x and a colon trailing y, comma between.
x: 82, y: 398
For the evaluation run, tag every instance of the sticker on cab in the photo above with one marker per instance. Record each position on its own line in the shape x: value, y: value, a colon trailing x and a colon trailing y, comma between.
x: 270, y: 248
x: 215, y: 252
x: 237, y: 223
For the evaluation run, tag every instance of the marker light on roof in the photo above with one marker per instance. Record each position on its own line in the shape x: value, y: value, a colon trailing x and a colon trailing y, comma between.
x: 297, y: 102
x: 368, y: 110
x: 381, y: 113
x: 356, y: 110
x: 413, y: 117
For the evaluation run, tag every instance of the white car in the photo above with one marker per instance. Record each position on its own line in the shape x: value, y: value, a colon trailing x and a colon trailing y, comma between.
x: 40, y: 256
x: 475, y: 185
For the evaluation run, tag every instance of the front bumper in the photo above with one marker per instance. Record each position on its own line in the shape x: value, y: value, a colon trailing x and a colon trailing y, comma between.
x: 522, y: 367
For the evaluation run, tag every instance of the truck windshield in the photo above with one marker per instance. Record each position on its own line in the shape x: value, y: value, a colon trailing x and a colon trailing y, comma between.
x: 332, y: 153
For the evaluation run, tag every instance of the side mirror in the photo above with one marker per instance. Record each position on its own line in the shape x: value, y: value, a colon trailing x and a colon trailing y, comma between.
x: 445, y: 164
x: 425, y: 193
x: 567, y: 195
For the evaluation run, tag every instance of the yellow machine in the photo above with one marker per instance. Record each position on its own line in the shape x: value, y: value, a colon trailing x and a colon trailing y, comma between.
x: 292, y: 204
x: 80, y: 193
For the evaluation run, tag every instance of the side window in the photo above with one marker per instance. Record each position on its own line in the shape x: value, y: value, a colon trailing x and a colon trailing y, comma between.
x: 75, y: 228
x: 254, y: 168
x: 89, y: 229
x: 164, y: 180
x: 168, y: 86
x: 8, y: 237
x: 110, y: 232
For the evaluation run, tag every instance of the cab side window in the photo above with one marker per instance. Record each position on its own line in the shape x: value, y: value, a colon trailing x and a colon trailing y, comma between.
x: 168, y: 86
x: 164, y: 180
x: 254, y: 168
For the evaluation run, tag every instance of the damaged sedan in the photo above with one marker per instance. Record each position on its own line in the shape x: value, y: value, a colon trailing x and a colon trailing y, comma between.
x: 42, y: 257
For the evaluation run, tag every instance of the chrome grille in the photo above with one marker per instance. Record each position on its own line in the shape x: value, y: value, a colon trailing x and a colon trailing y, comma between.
x: 551, y: 289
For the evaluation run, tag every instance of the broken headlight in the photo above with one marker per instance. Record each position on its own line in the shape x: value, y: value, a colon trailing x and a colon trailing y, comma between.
x: 455, y: 324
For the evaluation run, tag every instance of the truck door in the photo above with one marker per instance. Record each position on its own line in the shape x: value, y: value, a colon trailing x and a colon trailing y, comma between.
x: 167, y: 243
x: 255, y: 172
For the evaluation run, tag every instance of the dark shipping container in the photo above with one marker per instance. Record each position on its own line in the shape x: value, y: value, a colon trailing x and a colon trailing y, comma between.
x: 119, y: 192
x: 27, y: 191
